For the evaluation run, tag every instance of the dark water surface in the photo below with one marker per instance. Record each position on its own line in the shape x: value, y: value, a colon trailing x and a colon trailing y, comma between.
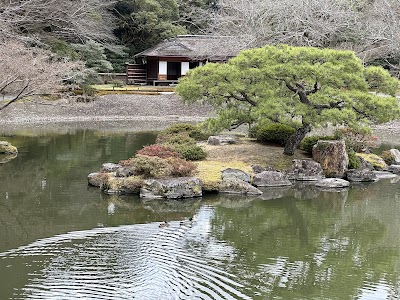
x: 60, y: 239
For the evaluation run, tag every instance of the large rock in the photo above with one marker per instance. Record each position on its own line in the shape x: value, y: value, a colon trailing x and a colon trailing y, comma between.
x: 221, y: 140
x: 121, y: 185
x: 174, y: 188
x: 7, y: 148
x: 259, y: 169
x: 396, y: 155
x: 235, y: 173
x: 361, y: 175
x: 124, y: 172
x: 332, y: 156
x: 377, y: 161
x: 7, y: 157
x: 96, y: 178
x: 271, y: 178
x: 332, y: 183
x: 395, y: 169
x: 305, y: 170
x: 237, y: 186
x: 384, y: 175
x: 109, y: 167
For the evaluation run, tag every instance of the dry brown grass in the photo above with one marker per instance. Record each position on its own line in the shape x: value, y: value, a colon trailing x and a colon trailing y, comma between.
x: 250, y: 152
x: 240, y: 156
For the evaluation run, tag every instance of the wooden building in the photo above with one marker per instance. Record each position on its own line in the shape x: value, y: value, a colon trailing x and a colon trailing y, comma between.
x: 173, y: 58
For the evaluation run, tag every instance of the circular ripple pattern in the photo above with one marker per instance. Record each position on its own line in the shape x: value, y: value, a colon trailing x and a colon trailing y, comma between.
x: 178, y: 261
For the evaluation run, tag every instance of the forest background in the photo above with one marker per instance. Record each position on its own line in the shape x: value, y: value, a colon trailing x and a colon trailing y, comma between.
x: 71, y: 41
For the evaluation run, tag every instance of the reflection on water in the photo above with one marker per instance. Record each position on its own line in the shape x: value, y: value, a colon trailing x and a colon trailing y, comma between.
x: 61, y: 239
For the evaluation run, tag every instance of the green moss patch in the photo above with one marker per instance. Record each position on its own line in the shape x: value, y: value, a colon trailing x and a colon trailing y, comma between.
x: 209, y: 172
x: 375, y: 160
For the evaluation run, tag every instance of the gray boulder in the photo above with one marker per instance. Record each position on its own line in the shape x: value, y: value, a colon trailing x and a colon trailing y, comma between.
x: 361, y: 175
x: 271, y: 178
x: 96, y: 178
x: 237, y: 186
x: 109, y: 167
x: 396, y: 154
x: 121, y: 185
x: 174, y: 188
x: 7, y: 148
x: 259, y: 169
x: 395, y: 169
x: 332, y: 183
x: 305, y: 170
x: 384, y: 175
x: 123, y: 172
x: 221, y: 140
x: 332, y: 156
x: 235, y: 173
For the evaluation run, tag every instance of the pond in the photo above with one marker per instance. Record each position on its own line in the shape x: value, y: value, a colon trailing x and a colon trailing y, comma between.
x: 61, y: 239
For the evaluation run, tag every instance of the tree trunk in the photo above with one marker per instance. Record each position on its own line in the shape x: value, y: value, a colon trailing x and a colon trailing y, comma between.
x: 295, y: 139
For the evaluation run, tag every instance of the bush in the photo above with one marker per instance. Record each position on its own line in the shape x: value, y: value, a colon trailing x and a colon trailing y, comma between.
x: 150, y: 166
x: 191, y: 130
x: 181, y: 167
x: 190, y: 151
x: 354, y: 161
x: 157, y: 167
x: 357, y: 138
x: 388, y: 157
x: 175, y: 138
x: 272, y: 133
x: 159, y: 151
x: 88, y: 90
x: 308, y: 142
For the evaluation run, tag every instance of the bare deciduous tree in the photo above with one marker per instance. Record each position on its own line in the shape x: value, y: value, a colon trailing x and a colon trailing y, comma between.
x: 77, y: 20
x: 369, y: 27
x: 27, y: 71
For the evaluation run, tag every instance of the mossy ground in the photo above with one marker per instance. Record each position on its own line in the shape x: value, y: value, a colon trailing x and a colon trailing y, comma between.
x: 242, y: 155
x: 374, y: 159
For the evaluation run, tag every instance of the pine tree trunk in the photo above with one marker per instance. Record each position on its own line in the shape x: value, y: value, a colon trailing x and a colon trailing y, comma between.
x: 295, y: 139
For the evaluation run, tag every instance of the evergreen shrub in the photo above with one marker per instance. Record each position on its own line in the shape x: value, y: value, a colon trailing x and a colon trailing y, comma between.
x: 272, y: 133
x: 388, y: 157
x: 156, y: 167
x: 150, y: 166
x: 159, y: 151
x: 354, y: 161
x: 357, y: 138
x: 190, y: 151
x: 181, y: 167
x: 194, y: 131
x: 174, y: 138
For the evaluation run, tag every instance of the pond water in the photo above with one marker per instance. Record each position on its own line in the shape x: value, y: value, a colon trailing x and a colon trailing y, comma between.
x: 61, y: 239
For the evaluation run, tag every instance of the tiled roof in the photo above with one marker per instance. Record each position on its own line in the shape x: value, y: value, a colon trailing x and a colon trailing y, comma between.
x: 193, y: 46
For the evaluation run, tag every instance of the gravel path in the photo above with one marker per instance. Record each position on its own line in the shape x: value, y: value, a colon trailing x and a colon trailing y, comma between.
x: 141, y: 112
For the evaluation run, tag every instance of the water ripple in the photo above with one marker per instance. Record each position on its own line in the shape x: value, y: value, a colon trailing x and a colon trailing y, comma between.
x: 129, y: 262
